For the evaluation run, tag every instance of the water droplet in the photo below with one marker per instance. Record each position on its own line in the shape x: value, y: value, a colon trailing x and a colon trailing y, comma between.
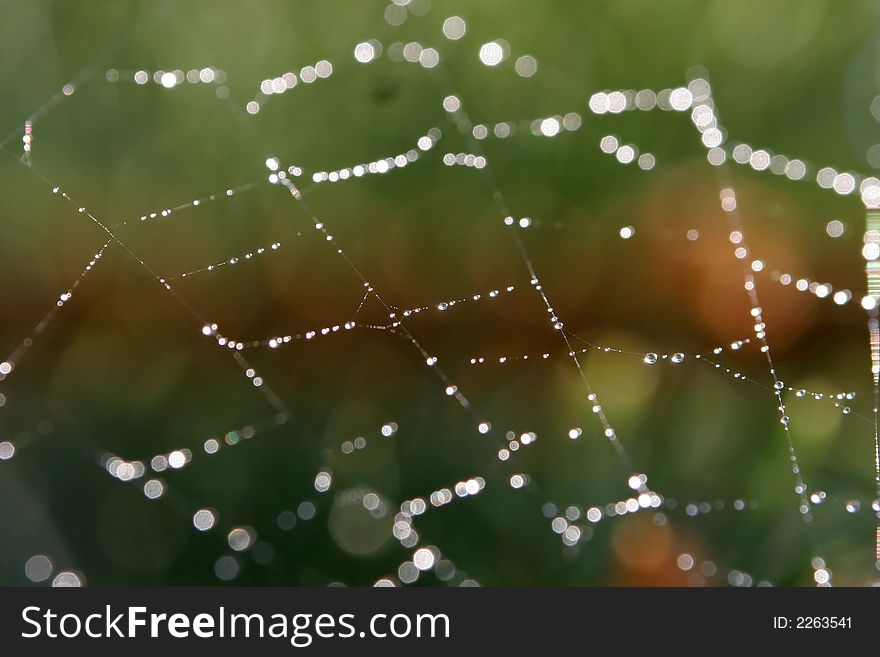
x: 677, y: 357
x: 650, y: 358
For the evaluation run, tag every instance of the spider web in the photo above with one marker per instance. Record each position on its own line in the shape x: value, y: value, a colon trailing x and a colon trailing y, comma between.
x: 375, y: 382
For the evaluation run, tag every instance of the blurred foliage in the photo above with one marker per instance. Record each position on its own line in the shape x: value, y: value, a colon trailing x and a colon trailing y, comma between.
x: 124, y: 369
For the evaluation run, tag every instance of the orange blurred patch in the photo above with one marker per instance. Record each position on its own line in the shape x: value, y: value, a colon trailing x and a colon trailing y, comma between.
x: 716, y: 302
x: 644, y: 552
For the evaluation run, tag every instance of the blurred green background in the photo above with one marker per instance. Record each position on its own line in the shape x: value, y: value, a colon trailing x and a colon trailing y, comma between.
x: 123, y: 369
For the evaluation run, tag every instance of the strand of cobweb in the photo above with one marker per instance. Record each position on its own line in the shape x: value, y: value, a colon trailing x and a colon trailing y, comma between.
x: 679, y: 357
x: 729, y: 205
x: 18, y: 353
x: 844, y: 184
x: 86, y: 74
x: 27, y: 342
x: 452, y: 390
x: 361, y: 305
x: 270, y: 396
x: 160, y: 214
x: 459, y: 117
x: 682, y: 99
x: 67, y: 90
